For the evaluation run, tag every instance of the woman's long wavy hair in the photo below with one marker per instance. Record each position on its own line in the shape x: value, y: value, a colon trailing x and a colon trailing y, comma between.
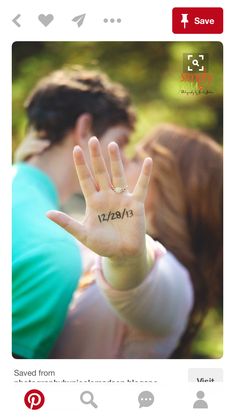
x: 186, y: 215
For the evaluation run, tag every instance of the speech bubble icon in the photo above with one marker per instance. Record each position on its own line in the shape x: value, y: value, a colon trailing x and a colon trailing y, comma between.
x: 145, y: 399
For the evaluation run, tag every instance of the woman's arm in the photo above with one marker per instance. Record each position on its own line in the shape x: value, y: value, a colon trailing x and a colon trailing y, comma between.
x: 161, y: 304
x: 114, y: 223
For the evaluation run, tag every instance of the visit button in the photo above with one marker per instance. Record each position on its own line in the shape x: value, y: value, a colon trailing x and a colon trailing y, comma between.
x: 197, y: 20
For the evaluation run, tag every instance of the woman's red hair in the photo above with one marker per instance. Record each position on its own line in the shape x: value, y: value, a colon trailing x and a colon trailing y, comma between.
x: 186, y: 216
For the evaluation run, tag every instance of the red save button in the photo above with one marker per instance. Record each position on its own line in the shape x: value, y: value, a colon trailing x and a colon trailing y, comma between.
x: 197, y: 20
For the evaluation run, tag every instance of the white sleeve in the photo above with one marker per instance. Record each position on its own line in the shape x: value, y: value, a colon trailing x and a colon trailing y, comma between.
x: 161, y: 304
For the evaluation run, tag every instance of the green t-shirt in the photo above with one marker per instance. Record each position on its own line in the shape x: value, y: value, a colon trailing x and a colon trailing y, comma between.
x: 46, y: 265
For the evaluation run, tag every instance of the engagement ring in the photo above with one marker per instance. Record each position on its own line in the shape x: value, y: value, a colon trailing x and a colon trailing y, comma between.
x: 119, y: 189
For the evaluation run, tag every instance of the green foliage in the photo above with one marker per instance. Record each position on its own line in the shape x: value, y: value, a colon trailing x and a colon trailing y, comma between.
x: 209, y: 342
x: 150, y: 70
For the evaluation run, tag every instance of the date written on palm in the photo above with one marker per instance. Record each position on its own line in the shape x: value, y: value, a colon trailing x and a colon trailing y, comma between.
x: 111, y: 216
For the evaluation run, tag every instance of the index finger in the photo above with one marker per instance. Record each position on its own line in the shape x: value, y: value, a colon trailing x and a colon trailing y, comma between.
x: 84, y: 175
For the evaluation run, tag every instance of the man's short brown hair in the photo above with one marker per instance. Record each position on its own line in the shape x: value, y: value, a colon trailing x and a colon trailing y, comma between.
x: 59, y: 99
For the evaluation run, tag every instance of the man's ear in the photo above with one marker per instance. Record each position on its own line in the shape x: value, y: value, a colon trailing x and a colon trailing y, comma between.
x: 83, y: 129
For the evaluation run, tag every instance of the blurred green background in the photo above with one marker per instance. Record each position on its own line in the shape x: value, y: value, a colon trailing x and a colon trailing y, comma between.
x: 151, y: 71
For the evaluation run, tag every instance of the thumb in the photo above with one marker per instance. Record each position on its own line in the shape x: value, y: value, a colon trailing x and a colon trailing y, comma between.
x: 69, y: 224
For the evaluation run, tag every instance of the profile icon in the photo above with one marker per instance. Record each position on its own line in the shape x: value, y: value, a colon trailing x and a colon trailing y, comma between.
x: 200, y: 403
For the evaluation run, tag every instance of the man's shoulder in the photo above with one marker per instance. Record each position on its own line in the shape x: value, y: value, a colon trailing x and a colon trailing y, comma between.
x: 31, y: 187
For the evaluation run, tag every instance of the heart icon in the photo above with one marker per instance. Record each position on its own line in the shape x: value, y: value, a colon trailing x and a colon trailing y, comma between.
x: 45, y: 19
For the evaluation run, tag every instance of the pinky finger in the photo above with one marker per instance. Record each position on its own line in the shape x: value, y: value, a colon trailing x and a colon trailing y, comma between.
x: 141, y: 188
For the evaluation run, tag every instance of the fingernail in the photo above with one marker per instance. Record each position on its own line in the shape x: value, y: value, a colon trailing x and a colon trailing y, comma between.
x: 93, y: 139
x: 113, y: 146
x: 51, y: 212
x: 57, y: 216
x: 77, y: 149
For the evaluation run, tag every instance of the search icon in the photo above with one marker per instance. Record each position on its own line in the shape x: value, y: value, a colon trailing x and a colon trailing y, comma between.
x: 87, y: 397
x: 195, y: 62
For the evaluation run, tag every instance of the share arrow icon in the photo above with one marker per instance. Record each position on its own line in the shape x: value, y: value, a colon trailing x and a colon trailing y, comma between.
x: 15, y: 20
x: 79, y: 19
